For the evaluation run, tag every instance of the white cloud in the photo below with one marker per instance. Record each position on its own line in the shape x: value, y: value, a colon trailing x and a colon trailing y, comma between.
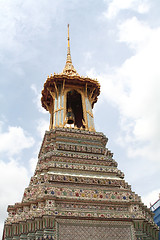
x: 143, y: 7
x: 24, y: 26
x: 42, y: 126
x: 134, y: 89
x: 115, y: 6
x: 37, y: 99
x: 135, y: 33
x: 24, y: 18
x: 151, y: 198
x: 13, y: 178
x: 32, y: 163
x: 1, y: 229
x: 88, y: 56
x: 14, y: 141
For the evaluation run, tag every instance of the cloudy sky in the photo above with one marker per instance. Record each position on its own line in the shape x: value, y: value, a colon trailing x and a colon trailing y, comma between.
x: 115, y: 41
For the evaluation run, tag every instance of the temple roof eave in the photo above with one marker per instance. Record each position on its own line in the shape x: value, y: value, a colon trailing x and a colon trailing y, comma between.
x: 73, y: 79
x: 63, y: 76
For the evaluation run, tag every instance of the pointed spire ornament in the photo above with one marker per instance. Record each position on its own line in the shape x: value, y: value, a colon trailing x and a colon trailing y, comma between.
x: 69, y: 68
x: 69, y: 60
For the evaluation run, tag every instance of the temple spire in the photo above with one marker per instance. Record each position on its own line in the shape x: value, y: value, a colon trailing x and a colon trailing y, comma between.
x: 69, y: 68
x: 69, y: 60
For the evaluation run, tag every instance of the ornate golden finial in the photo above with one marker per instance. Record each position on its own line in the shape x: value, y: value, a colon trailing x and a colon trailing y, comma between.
x: 69, y: 68
x: 68, y: 36
x: 69, y: 60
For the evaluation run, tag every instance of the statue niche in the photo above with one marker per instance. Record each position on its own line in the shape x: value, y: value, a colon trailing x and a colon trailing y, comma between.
x: 74, y: 109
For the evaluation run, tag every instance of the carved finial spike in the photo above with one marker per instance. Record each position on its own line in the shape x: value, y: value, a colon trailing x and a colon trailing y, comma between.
x: 69, y: 60
x: 69, y: 68
x: 68, y: 37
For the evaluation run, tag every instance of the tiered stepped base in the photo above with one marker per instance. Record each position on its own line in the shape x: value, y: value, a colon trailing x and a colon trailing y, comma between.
x: 78, y: 193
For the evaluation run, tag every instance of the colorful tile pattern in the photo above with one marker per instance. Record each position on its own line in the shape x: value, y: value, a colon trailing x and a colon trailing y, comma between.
x: 77, y: 178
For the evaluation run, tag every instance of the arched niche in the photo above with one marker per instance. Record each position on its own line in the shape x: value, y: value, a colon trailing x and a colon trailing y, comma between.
x: 74, y: 102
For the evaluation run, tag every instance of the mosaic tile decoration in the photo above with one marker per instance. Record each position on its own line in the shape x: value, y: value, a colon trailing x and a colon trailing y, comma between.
x: 77, y: 177
x: 91, y: 230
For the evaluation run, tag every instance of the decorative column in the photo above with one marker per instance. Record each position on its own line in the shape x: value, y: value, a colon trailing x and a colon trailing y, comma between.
x: 31, y: 229
x: 49, y: 227
x: 38, y: 228
x: 23, y: 230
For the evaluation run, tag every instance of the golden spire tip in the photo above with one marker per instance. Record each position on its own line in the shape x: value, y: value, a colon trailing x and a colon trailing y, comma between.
x: 68, y: 36
x: 69, y: 69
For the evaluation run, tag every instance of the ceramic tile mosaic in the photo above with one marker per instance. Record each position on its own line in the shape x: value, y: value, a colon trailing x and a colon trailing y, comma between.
x: 72, y: 180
